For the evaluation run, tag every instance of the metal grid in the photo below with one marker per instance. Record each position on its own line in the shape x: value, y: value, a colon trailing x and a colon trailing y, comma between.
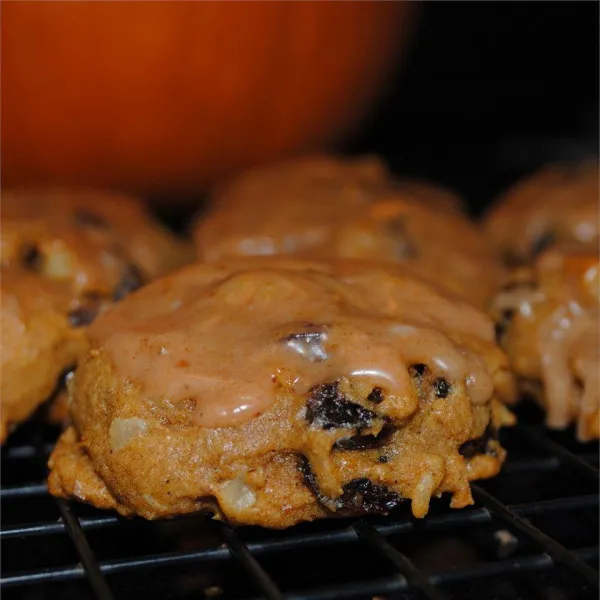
x: 533, y: 533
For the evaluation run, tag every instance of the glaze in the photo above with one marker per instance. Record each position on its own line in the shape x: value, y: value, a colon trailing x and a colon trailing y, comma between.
x: 226, y: 336
x: 559, y: 335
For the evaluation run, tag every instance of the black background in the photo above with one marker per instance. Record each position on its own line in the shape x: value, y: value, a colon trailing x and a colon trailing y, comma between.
x: 490, y: 91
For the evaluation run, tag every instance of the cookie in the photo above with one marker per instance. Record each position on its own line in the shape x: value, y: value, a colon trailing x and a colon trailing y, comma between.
x: 286, y: 208
x: 38, y: 342
x: 274, y: 390
x: 327, y: 208
x: 558, y: 205
x: 94, y: 240
x: 548, y: 323
x: 66, y: 255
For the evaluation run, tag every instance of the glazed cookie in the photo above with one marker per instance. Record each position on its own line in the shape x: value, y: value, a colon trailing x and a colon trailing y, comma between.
x: 327, y: 208
x: 558, y: 205
x: 286, y: 208
x: 89, y: 238
x: 549, y: 326
x: 272, y: 391
x: 66, y: 255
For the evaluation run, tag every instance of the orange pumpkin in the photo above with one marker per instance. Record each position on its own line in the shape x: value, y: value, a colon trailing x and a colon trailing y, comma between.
x: 166, y: 97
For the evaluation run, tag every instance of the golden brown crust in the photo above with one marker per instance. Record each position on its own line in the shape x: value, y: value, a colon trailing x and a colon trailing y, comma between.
x: 375, y: 434
x: 77, y: 475
x: 66, y: 255
x: 328, y: 208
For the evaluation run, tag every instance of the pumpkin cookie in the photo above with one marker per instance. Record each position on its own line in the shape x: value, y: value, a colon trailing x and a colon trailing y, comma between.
x: 327, y: 208
x: 66, y: 255
x: 548, y: 323
x: 546, y: 228
x: 557, y: 205
x: 274, y: 390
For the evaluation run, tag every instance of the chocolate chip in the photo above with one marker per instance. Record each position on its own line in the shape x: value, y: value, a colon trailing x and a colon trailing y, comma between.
x: 383, y: 459
x: 328, y: 408
x: 364, y: 496
x: 482, y: 444
x: 542, y: 243
x: 417, y: 370
x: 86, y: 218
x: 441, y: 387
x: 376, y: 396
x: 132, y: 280
x: 82, y: 316
x: 365, y: 442
x: 308, y: 343
x: 31, y: 257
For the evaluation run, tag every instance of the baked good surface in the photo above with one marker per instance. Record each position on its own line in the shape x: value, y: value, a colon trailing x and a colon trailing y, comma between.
x: 546, y: 228
x: 273, y: 390
x: 548, y: 323
x: 38, y: 342
x: 558, y: 205
x: 66, y: 255
x: 328, y: 208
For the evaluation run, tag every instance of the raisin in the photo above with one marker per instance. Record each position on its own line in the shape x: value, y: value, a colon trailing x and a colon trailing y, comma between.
x: 376, y: 396
x: 311, y: 482
x: 417, y: 370
x: 82, y: 316
x: 541, y: 243
x: 502, y: 325
x: 309, y: 343
x: 482, y: 444
x: 86, y: 218
x: 328, y: 408
x: 364, y: 496
x: 132, y: 280
x: 360, y: 496
x: 31, y: 257
x: 441, y: 387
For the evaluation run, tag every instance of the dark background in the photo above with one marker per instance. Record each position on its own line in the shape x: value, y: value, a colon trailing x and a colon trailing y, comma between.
x: 490, y: 91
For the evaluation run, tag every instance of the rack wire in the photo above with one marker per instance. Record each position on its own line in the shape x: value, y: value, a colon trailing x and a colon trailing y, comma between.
x: 533, y: 530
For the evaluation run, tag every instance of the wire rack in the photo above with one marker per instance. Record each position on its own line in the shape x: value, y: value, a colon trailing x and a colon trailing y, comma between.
x: 532, y: 533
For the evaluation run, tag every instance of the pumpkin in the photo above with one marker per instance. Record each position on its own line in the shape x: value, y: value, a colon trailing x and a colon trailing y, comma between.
x: 167, y: 97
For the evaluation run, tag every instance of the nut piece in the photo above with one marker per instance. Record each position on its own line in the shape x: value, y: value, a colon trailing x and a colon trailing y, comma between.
x: 237, y: 494
x: 122, y: 431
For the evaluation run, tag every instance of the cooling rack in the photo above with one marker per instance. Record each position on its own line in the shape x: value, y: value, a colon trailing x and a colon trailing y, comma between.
x: 532, y: 534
